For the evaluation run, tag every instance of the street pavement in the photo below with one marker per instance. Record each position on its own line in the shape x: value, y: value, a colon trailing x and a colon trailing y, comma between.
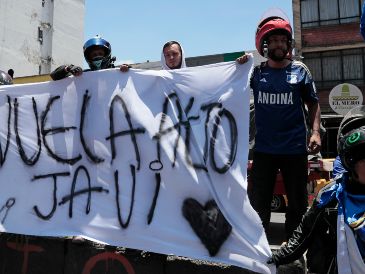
x: 276, y: 236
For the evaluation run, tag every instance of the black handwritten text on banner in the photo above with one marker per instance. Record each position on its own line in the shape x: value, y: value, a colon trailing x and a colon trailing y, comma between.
x: 113, y: 156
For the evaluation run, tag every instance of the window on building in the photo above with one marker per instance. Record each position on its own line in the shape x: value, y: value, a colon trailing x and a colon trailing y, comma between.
x: 328, y: 16
x: 309, y: 13
x: 313, y: 61
x: 40, y: 35
x: 353, y: 66
x: 330, y: 68
x: 328, y: 12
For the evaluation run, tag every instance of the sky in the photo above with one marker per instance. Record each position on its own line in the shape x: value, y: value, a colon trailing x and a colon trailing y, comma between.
x: 137, y: 29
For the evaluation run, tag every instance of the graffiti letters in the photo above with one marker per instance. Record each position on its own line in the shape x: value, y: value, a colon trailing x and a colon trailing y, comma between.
x: 176, y: 119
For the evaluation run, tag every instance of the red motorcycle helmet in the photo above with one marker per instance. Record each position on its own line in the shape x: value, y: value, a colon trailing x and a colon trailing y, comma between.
x: 269, y: 26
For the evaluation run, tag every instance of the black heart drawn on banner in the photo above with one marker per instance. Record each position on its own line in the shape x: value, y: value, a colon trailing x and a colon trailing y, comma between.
x: 208, y: 223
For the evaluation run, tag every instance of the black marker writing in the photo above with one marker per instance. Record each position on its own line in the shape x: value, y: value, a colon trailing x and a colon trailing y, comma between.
x: 154, y: 201
x: 181, y: 122
x: 116, y: 179
x: 222, y: 112
x: 132, y: 131
x: 3, y: 155
x: 50, y: 131
x: 34, y: 158
x: 73, y: 194
x: 54, y: 206
x: 9, y: 204
x: 85, y: 104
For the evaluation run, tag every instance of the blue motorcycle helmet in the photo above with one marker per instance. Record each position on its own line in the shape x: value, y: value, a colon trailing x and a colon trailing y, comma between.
x: 100, y: 61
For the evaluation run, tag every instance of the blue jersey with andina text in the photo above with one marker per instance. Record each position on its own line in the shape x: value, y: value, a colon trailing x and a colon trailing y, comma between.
x: 280, y: 116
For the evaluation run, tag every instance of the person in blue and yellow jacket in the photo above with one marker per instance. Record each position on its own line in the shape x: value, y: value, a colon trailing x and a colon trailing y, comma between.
x: 333, y: 229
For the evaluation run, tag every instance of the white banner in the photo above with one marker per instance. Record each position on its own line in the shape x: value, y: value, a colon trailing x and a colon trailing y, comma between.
x: 134, y: 159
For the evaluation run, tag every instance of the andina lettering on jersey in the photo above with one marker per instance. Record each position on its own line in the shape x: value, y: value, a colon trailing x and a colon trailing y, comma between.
x: 275, y: 98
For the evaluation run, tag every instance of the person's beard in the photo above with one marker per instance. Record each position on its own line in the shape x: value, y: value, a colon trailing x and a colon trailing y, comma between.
x: 177, y: 66
x: 276, y: 57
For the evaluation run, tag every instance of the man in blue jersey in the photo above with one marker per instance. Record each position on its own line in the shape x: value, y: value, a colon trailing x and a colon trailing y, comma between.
x: 285, y: 131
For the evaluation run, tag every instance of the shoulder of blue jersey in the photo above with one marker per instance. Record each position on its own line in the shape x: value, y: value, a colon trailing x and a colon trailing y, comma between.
x: 301, y: 64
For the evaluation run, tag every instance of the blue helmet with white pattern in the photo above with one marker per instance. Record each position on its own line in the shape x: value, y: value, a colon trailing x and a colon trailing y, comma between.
x: 98, y: 62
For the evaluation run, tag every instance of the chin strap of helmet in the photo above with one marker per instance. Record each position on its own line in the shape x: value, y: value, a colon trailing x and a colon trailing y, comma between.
x: 112, y: 60
x: 265, y: 49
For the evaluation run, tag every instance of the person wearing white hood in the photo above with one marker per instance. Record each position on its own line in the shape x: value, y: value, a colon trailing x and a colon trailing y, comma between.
x: 172, y: 56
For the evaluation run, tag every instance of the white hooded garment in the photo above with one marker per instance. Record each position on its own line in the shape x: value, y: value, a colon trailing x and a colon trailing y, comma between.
x: 163, y: 61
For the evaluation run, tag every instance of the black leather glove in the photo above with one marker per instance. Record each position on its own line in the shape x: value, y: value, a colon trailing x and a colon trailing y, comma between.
x: 274, y: 259
x: 74, y: 70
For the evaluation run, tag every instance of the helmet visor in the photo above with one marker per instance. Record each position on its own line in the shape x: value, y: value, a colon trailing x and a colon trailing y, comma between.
x: 355, y: 118
x: 358, y: 111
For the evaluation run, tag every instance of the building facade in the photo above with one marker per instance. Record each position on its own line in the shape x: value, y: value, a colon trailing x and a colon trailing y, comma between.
x: 36, y: 36
x: 329, y: 42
